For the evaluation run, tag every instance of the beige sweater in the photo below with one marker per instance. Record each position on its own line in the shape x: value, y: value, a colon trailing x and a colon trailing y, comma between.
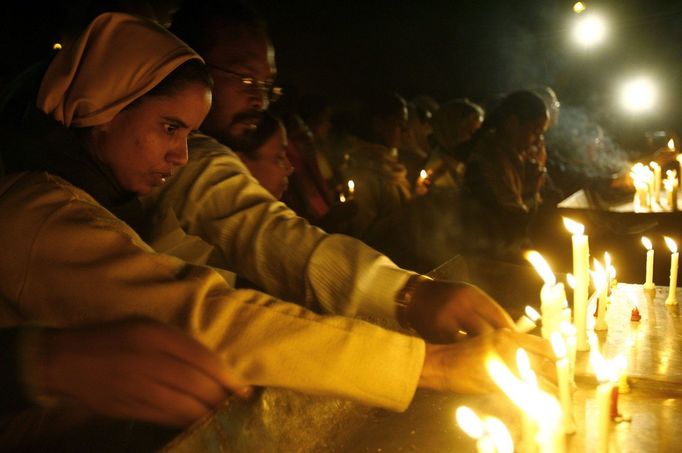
x: 67, y: 261
x: 215, y: 198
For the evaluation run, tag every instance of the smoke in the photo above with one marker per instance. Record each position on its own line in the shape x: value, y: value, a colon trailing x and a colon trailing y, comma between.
x: 583, y: 146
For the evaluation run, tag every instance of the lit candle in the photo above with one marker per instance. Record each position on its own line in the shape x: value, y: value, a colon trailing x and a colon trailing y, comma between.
x: 564, y: 381
x: 599, y: 277
x: 528, y: 426
x: 568, y: 331
x: 351, y: 187
x: 581, y: 264
x: 657, y: 181
x: 541, y: 407
x: 552, y: 295
x: 610, y: 272
x: 342, y: 198
x: 671, y: 145
x: 606, y: 376
x: 674, y: 259
x: 649, y: 282
x: 491, y: 435
x: 528, y: 321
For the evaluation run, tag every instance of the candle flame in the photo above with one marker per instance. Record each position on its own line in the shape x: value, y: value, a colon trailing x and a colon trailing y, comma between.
x: 351, y: 186
x: 598, y: 276
x: 574, y: 227
x: 423, y: 174
x: 342, y: 198
x: 540, y: 406
x: 57, y: 46
x: 646, y: 242
x: 570, y: 279
x: 469, y: 422
x: 541, y: 267
x: 567, y: 329
x: 605, y: 370
x: 532, y: 313
x: 654, y: 165
x: 500, y: 435
x: 523, y: 365
x: 558, y: 345
x: 671, y: 144
x: 671, y: 244
x: 607, y: 260
x: 579, y: 7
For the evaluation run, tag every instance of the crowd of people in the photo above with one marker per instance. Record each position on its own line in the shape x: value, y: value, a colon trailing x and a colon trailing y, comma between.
x: 170, y: 234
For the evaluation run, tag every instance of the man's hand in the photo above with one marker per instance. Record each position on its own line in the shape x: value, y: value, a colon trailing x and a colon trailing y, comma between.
x: 461, y: 367
x: 137, y: 369
x: 440, y: 309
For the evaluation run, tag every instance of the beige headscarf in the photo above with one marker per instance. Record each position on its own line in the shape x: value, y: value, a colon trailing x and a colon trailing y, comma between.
x: 117, y: 59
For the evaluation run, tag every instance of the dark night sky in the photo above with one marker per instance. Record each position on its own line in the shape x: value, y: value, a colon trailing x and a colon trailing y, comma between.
x: 443, y: 48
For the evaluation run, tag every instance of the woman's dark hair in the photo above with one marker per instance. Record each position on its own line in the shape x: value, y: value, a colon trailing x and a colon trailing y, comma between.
x: 268, y: 126
x: 524, y: 105
x: 189, y: 73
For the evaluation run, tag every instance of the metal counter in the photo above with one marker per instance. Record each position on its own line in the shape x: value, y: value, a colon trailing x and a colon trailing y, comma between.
x: 280, y: 420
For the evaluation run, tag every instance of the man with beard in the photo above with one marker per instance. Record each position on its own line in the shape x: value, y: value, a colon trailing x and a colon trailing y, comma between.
x: 245, y: 230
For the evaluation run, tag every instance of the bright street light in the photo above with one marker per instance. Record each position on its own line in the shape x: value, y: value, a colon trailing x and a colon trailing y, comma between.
x: 639, y: 95
x: 589, y: 30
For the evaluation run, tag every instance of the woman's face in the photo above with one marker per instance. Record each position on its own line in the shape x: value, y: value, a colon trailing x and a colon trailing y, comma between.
x: 144, y: 143
x: 271, y: 167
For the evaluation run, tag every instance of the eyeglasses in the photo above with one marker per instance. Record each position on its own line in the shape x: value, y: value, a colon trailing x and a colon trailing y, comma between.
x: 253, y: 85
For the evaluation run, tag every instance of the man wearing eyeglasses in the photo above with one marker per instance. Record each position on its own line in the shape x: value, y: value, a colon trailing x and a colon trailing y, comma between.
x: 215, y: 199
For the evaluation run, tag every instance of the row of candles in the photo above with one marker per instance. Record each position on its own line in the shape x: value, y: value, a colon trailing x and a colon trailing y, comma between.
x: 546, y: 420
x: 421, y: 187
x: 647, y: 181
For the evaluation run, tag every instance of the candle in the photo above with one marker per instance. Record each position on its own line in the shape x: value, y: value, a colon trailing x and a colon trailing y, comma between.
x: 552, y: 295
x: 568, y: 331
x: 351, y: 187
x: 342, y: 198
x: 528, y: 321
x: 541, y: 407
x: 610, y: 273
x: 657, y: 181
x: 674, y: 258
x: 671, y: 145
x: 649, y: 281
x: 600, y: 283
x: 564, y: 381
x: 491, y: 434
x: 581, y: 257
x: 605, y: 374
x: 528, y: 426
x: 671, y: 184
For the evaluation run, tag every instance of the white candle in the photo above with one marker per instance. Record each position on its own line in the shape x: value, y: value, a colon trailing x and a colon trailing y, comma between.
x: 607, y: 376
x: 552, y: 295
x: 604, y: 416
x: 528, y: 321
x: 649, y: 282
x: 581, y: 264
x: 657, y: 181
x: 564, y: 381
x: 568, y: 331
x: 529, y: 428
x: 674, y: 259
x: 600, y: 282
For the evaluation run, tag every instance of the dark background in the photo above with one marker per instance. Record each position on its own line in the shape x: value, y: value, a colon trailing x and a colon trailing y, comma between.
x: 445, y: 49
